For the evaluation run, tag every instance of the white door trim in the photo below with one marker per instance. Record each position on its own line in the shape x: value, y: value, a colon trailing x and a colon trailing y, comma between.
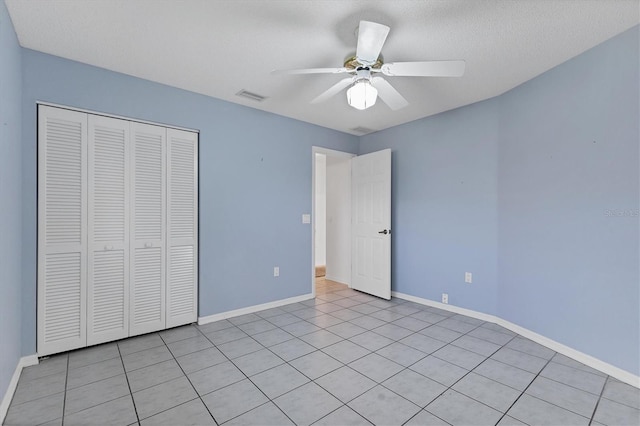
x: 331, y: 153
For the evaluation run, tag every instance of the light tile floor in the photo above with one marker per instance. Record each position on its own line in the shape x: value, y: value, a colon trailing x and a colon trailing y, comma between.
x: 344, y: 358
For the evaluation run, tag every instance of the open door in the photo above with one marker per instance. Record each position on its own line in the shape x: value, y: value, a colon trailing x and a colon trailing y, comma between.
x: 371, y: 223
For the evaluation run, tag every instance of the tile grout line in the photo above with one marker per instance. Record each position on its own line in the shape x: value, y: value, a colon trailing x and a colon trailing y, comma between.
x: 247, y: 378
x: 407, y: 367
x: 550, y: 403
x: 429, y: 412
x: 187, y: 377
x: 555, y: 405
x: 470, y: 371
x: 342, y: 404
x: 98, y: 380
x: 619, y: 401
x: 316, y: 350
x: 376, y: 383
x: 310, y: 379
x: 65, y: 392
x: 64, y: 400
x: 550, y: 360
x: 373, y: 352
x: 446, y: 344
x: 32, y: 380
x: 126, y: 376
x: 574, y: 387
x: 523, y: 392
x: 454, y: 383
x: 431, y: 354
x: 598, y: 401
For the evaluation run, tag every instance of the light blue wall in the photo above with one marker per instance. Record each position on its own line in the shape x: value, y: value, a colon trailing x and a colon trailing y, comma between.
x: 568, y: 153
x: 542, y: 165
x: 10, y: 199
x: 475, y: 189
x: 255, y: 180
x: 444, y: 217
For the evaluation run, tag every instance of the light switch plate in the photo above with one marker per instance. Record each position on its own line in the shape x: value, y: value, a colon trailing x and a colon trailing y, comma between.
x: 306, y: 218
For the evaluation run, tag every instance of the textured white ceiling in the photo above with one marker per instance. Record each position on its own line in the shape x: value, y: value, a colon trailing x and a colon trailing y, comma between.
x: 218, y: 47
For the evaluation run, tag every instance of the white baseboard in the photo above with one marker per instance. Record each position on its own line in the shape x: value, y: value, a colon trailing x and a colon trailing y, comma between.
x: 445, y: 307
x: 23, y: 362
x: 611, y: 370
x: 252, y: 309
x: 338, y: 280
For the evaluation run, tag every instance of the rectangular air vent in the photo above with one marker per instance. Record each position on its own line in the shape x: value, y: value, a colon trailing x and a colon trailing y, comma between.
x: 249, y: 95
x: 362, y: 130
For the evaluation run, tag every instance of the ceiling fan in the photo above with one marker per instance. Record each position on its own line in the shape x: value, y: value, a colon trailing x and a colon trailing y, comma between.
x: 365, y: 85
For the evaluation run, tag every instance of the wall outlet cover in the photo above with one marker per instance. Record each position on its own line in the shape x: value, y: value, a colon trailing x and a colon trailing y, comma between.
x: 445, y: 298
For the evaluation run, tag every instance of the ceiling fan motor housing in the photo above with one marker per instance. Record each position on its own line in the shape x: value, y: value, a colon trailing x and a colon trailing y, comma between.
x: 352, y: 63
x: 362, y: 73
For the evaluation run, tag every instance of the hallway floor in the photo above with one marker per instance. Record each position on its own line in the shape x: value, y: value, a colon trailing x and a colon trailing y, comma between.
x: 343, y: 358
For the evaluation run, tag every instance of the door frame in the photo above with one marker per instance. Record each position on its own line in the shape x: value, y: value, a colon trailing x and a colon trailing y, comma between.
x: 329, y: 153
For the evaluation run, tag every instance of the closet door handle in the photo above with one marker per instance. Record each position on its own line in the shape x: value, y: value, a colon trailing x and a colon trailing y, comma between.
x: 147, y: 245
x: 385, y: 232
x: 108, y: 248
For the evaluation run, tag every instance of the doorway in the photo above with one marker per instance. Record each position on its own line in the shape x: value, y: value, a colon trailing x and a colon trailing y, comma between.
x: 331, y: 240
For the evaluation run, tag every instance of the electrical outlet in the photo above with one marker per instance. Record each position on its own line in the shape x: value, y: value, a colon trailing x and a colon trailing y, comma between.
x: 276, y: 271
x: 445, y: 298
x: 468, y: 278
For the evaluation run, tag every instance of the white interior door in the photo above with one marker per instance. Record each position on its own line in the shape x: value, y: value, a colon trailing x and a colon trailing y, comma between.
x: 62, y: 230
x: 148, y: 159
x: 371, y: 223
x: 108, y: 243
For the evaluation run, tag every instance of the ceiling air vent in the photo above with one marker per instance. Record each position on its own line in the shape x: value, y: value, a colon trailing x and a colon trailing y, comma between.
x: 362, y: 130
x: 249, y: 95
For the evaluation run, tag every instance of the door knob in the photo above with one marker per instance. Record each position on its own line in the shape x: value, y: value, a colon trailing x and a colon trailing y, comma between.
x: 385, y: 232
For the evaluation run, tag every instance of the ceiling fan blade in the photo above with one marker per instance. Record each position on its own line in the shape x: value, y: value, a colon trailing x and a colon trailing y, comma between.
x: 312, y: 71
x: 424, y: 69
x: 333, y: 90
x: 371, y: 37
x: 388, y: 94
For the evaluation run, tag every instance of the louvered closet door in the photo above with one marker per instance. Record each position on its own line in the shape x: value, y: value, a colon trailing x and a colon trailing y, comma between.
x: 108, y: 265
x: 182, y: 227
x: 148, y: 153
x: 62, y: 251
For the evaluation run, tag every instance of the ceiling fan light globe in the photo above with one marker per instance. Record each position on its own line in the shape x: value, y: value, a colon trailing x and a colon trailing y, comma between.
x: 362, y: 95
